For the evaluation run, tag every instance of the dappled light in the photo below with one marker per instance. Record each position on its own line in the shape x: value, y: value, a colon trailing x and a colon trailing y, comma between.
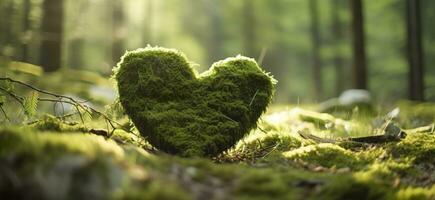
x: 217, y: 99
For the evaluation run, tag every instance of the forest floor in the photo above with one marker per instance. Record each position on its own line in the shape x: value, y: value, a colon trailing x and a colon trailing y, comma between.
x: 387, y: 152
x: 293, y: 154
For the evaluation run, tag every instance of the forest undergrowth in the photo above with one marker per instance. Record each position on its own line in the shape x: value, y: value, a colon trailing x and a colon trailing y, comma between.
x: 295, y: 152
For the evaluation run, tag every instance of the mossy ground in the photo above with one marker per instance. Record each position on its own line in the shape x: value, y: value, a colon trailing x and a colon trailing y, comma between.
x: 54, y: 160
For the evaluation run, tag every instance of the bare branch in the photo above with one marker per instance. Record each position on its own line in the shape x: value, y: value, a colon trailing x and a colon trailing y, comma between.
x: 4, y: 113
x: 16, y: 97
x: 79, y: 105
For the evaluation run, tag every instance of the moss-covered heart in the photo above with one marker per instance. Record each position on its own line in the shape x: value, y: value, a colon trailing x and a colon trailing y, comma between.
x: 181, y: 112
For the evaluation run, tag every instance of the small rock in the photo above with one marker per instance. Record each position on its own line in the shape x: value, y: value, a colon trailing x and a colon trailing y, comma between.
x: 343, y: 170
x: 355, y: 96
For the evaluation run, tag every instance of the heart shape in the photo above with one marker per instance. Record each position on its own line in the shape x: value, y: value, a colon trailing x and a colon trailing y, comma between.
x: 189, y: 114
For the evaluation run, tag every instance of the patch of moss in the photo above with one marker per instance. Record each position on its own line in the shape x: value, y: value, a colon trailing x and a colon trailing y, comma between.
x: 123, y: 137
x: 278, y: 140
x: 155, y: 190
x: 26, y: 141
x: 417, y: 148
x: 46, y: 165
x: 264, y: 184
x: 296, y: 184
x: 411, y: 193
x: 187, y: 114
x: 348, y: 187
x: 326, y: 155
x: 51, y: 123
x: 57, y: 166
x: 86, y: 166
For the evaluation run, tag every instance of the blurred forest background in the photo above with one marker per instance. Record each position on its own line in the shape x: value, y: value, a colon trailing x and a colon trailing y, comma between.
x: 314, y: 48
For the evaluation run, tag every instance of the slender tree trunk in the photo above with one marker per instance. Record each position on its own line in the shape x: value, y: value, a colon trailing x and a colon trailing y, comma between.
x: 148, y: 34
x: 415, y: 52
x: 337, y: 33
x: 26, y: 29
x: 249, y: 28
x: 6, y: 31
x: 75, y: 55
x: 215, y: 37
x: 52, y: 34
x: 118, y: 32
x: 359, y: 54
x: 315, y: 39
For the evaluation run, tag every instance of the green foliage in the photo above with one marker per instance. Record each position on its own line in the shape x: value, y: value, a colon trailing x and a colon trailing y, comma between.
x: 187, y: 114
x: 30, y: 103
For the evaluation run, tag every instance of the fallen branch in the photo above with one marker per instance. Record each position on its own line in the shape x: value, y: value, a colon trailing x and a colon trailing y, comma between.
x: 366, y: 139
x: 317, y: 139
x: 4, y: 113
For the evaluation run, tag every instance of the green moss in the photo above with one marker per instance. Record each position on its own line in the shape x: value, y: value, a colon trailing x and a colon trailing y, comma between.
x: 345, y: 187
x: 290, y: 183
x: 57, y: 166
x: 371, y: 153
x: 182, y: 113
x: 263, y: 184
x: 417, y: 148
x: 91, y: 167
x: 52, y: 123
x: 46, y: 165
x: 155, y: 190
x: 376, y: 181
x: 326, y: 155
x: 281, y: 165
x: 410, y: 193
x: 277, y: 140
x: 49, y: 145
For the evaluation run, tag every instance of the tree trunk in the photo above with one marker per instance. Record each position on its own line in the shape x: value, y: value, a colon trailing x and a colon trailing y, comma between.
x: 249, y: 28
x: 7, y: 38
x: 148, y: 34
x: 359, y: 54
x: 215, y: 37
x: 52, y: 34
x: 25, y: 31
x: 75, y: 53
x: 118, y: 31
x: 337, y: 34
x: 315, y: 39
x: 415, y: 53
